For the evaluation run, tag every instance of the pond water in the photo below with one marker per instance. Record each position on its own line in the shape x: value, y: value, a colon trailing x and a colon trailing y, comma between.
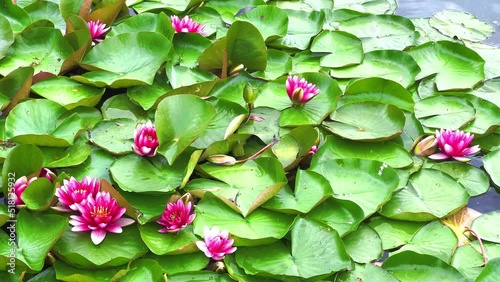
x: 485, y: 10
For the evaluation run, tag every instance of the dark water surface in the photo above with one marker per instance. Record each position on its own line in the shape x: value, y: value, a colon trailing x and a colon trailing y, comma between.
x: 485, y: 10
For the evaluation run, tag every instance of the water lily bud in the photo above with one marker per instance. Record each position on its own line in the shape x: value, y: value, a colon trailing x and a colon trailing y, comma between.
x: 221, y: 159
x: 248, y: 94
x: 426, y: 147
x: 218, y: 267
x: 297, y: 96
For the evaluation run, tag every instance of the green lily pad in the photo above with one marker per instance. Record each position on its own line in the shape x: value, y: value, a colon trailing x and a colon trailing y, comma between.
x: 115, y: 136
x: 36, y: 235
x: 125, y: 69
x: 181, y: 263
x: 491, y: 56
x: 38, y: 195
x: 363, y: 245
x: 159, y: 23
x: 389, y: 64
x: 342, y: 215
x: 204, y: 275
x: 143, y: 270
x: 491, y: 163
x: 302, y: 259
x: 306, y: 61
x: 231, y: 88
x: 455, y: 66
x: 410, y: 266
x: 461, y: 25
x: 176, y: 134
x: 188, y: 47
x: 77, y: 249
x: 168, y: 243
x: 304, y: 5
x: 65, y: 157
x: 278, y: 64
x: 147, y: 207
x: 46, y: 10
x: 271, y: 21
x: 22, y: 160
x: 365, y: 272
x: 433, y: 239
x: 252, y: 183
x: 487, y: 225
x: 266, y: 127
x: 18, y: 18
x: 487, y: 117
x: 37, y: 122
x: 490, y: 271
x: 42, y: 48
x: 261, y: 226
x: 380, y: 90
x: 66, y: 272
x: 430, y: 194
x: 369, y: 6
x: 344, y: 48
x: 138, y: 174
x: 444, y: 112
x: 367, y: 121
x: 381, y: 32
x: 475, y: 180
x: 68, y: 92
x: 147, y: 95
x: 96, y: 165
x: 367, y: 183
x: 394, y: 233
x: 120, y: 106
x: 6, y: 34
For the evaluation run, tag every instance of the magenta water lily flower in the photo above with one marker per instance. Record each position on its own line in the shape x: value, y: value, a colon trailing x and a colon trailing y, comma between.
x: 313, y: 150
x: 19, y: 187
x: 73, y: 192
x: 47, y: 173
x: 454, y: 144
x: 97, y: 29
x: 186, y: 24
x: 300, y: 90
x: 216, y: 244
x: 176, y: 216
x: 145, y: 139
x: 99, y: 214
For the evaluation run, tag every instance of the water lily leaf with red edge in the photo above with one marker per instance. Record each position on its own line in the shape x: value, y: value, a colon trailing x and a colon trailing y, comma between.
x: 78, y: 35
x: 176, y: 134
x: 42, y: 48
x: 342, y: 215
x: 36, y: 234
x: 46, y: 10
x: 394, y: 233
x: 302, y: 26
x: 488, y: 226
x: 252, y: 183
x: 410, y: 266
x: 272, y: 22
x: 260, y: 227
x: 369, y: 184
x: 343, y: 48
x: 74, y: 7
x: 491, y: 164
x: 389, y: 152
x: 302, y: 259
x: 369, y: 251
x: 18, y: 18
x: 429, y: 194
x: 135, y: 173
x: 77, y: 249
x: 67, y: 92
x: 181, y: 263
x: 37, y: 122
x: 159, y: 23
x: 15, y: 87
x: 144, y: 53
x: 367, y: 121
x: 455, y: 66
x: 6, y: 35
x: 22, y: 160
x: 394, y: 65
x: 160, y: 244
x: 105, y: 11
x: 66, y: 272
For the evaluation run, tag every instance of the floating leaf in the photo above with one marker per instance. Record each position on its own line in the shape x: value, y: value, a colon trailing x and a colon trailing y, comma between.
x: 363, y: 245
x: 394, y: 233
x: 444, y: 112
x: 461, y: 25
x: 115, y: 136
x: 491, y: 165
x: 472, y: 178
x: 488, y: 226
x: 344, y: 48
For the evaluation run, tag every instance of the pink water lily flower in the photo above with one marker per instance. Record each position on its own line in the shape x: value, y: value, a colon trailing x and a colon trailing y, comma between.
x: 216, y: 244
x: 186, y: 24
x: 97, y: 29
x: 313, y: 150
x: 145, y: 139
x: 73, y: 192
x: 47, y: 173
x: 300, y: 90
x: 19, y: 187
x: 176, y: 216
x: 454, y: 144
x: 99, y: 214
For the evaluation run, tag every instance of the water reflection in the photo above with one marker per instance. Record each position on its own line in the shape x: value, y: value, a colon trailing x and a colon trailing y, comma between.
x: 485, y: 10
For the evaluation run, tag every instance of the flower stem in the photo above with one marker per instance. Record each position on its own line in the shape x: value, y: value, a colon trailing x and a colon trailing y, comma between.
x: 483, y: 253
x: 259, y: 151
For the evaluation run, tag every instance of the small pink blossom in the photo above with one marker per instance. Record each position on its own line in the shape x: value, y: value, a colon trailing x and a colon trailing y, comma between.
x: 216, y: 244
x: 300, y: 90
x: 145, y: 139
x: 19, y: 187
x: 186, y: 24
x: 99, y: 214
x: 454, y: 144
x: 313, y: 150
x: 73, y: 192
x: 176, y: 216
x: 97, y: 29
x: 47, y: 173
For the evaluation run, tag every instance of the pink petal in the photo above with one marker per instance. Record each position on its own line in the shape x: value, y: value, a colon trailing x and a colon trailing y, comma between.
x: 439, y: 156
x: 98, y: 236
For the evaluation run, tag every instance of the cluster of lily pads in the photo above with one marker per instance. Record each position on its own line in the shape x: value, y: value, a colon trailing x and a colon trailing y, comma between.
x: 304, y: 140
